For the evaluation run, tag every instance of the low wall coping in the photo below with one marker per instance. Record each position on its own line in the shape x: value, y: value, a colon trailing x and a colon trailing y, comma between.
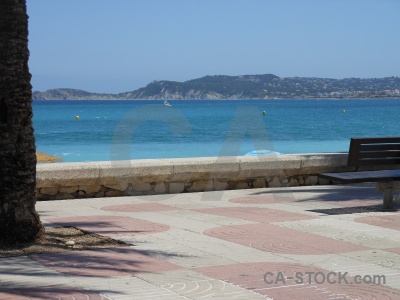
x: 182, y: 169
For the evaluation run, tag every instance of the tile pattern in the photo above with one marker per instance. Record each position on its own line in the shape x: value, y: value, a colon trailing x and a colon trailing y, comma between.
x: 104, y: 262
x: 141, y: 207
x: 111, y: 225
x: 241, y: 244
x: 256, y: 214
x: 272, y: 238
x: 50, y: 292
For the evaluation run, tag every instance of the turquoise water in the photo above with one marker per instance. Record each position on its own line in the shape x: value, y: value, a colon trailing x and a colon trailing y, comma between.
x: 148, y: 129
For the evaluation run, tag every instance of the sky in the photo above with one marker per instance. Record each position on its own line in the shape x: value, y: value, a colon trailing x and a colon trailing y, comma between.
x: 112, y: 46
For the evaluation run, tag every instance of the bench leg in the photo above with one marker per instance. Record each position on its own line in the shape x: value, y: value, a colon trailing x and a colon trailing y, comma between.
x: 388, y: 188
x: 388, y: 202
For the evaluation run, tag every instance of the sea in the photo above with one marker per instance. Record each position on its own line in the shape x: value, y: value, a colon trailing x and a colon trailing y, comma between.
x: 82, y: 131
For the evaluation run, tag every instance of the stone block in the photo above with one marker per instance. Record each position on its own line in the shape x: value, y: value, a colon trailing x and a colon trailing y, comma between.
x: 176, y: 187
x: 99, y: 195
x: 241, y: 185
x: 274, y: 182
x: 69, y: 189
x: 89, y: 189
x: 311, y: 180
x: 130, y: 192
x: 293, y: 182
x: 49, y: 191
x: 201, y: 186
x: 220, y: 185
x: 141, y: 186
x: 258, y: 183
x: 159, y: 188
x: 113, y: 193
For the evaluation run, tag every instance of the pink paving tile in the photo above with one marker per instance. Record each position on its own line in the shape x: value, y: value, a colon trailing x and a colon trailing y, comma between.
x: 391, y: 221
x: 48, y: 292
x: 393, y: 250
x: 290, y: 281
x: 141, y: 207
x: 104, y: 262
x: 268, y: 199
x: 272, y: 238
x: 111, y: 225
x: 256, y: 214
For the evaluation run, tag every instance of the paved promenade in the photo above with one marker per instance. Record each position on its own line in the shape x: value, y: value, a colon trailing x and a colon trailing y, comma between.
x: 317, y: 242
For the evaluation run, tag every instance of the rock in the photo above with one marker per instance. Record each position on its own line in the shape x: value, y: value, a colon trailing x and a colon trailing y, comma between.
x: 258, y: 183
x: 141, y: 186
x: 49, y: 191
x: 274, y: 182
x: 89, y: 189
x: 121, y: 186
x: 159, y: 188
x: 241, y: 185
x: 200, y: 186
x: 311, y: 180
x: 70, y: 243
x: 176, y: 187
x: 69, y: 189
x: 220, y: 185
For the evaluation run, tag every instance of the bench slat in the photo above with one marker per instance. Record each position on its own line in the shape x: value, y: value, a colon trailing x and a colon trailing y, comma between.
x: 379, y: 147
x: 378, y: 151
x: 378, y: 162
x: 363, y: 176
x: 379, y: 154
x: 376, y: 140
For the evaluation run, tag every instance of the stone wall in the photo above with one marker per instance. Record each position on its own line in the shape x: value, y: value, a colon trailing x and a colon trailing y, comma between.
x: 182, y: 175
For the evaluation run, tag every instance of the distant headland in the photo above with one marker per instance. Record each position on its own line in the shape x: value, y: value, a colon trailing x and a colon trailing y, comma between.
x: 245, y: 87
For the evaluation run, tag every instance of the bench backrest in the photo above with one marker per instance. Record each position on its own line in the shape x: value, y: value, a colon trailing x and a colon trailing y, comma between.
x: 380, y: 151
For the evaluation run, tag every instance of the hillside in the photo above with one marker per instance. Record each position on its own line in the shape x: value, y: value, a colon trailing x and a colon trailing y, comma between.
x: 266, y: 86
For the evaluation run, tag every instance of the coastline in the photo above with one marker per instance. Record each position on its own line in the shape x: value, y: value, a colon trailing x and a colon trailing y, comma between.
x: 46, y: 158
x: 235, y: 99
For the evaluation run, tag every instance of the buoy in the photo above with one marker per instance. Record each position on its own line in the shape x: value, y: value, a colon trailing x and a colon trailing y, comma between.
x: 264, y: 112
x: 344, y: 110
x: 77, y: 118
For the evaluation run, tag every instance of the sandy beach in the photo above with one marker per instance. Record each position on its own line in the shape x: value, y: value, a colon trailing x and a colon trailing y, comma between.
x: 45, y: 158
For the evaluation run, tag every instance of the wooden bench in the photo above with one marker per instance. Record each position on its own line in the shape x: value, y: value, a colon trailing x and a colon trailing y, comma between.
x: 382, y: 154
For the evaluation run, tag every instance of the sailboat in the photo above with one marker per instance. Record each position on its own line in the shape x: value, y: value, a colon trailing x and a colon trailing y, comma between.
x: 166, y: 103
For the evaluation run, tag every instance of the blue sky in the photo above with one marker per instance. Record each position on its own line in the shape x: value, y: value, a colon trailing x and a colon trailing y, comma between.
x: 121, y: 45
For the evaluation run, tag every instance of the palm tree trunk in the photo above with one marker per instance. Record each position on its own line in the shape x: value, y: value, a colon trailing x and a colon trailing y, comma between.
x: 19, y: 221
